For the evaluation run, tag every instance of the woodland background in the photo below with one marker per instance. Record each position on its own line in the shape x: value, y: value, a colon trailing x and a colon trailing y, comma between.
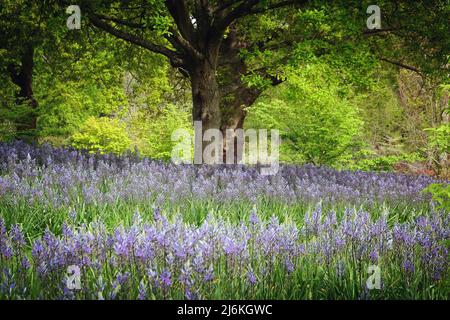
x: 341, y: 96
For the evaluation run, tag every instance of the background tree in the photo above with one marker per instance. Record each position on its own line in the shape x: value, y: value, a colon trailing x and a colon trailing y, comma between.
x: 23, y: 26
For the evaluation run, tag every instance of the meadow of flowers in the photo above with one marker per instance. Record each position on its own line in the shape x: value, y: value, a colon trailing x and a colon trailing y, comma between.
x: 142, y: 229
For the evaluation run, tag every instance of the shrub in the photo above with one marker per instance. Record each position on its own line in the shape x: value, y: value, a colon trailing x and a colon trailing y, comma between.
x: 102, y: 135
x: 151, y: 130
x: 440, y: 192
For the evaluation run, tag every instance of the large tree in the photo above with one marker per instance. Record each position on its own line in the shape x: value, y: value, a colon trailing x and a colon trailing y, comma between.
x: 206, y: 40
x: 201, y: 39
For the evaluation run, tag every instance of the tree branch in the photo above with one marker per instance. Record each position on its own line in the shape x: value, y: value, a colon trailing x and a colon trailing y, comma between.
x: 174, y: 56
x: 179, y: 12
x: 379, y: 31
x: 175, y: 39
x: 401, y: 65
x: 224, y: 5
x: 251, y: 7
x: 178, y: 41
x: 120, y: 21
x: 276, y: 6
x: 240, y: 11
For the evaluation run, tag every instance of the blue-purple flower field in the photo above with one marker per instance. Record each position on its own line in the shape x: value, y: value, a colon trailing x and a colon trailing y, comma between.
x: 141, y: 229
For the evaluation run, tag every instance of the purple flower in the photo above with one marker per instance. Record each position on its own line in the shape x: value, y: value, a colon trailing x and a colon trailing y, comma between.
x: 142, y: 291
x: 17, y: 236
x: 37, y: 250
x: 229, y: 246
x: 251, y: 278
x: 67, y: 231
x: 289, y: 266
x: 437, y: 276
x: 209, y: 275
x: 373, y: 256
x: 190, y: 295
x: 6, y: 251
x: 254, y: 219
x: 115, y: 288
x: 73, y: 214
x: 122, y: 278
x: 187, y: 257
x: 25, y: 263
x: 408, y: 266
x: 157, y: 214
x: 166, y: 280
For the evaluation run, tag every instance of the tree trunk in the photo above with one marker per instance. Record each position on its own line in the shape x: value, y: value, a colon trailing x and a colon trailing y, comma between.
x: 236, y: 95
x: 234, y: 111
x: 22, y: 76
x: 206, y: 102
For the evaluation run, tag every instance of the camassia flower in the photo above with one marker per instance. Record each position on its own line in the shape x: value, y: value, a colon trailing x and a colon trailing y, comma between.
x: 157, y: 254
x: 191, y: 257
x: 55, y: 177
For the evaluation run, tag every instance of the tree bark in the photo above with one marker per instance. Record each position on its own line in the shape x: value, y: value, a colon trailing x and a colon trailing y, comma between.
x: 234, y: 111
x: 205, y: 98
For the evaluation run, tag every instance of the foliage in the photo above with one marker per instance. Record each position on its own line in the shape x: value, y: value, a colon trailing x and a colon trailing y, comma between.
x: 439, y: 146
x: 370, y: 161
x: 439, y: 138
x: 88, y: 84
x: 440, y: 193
x: 102, y: 135
x: 84, y: 73
x: 316, y: 124
x: 152, y: 129
x: 383, y: 115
